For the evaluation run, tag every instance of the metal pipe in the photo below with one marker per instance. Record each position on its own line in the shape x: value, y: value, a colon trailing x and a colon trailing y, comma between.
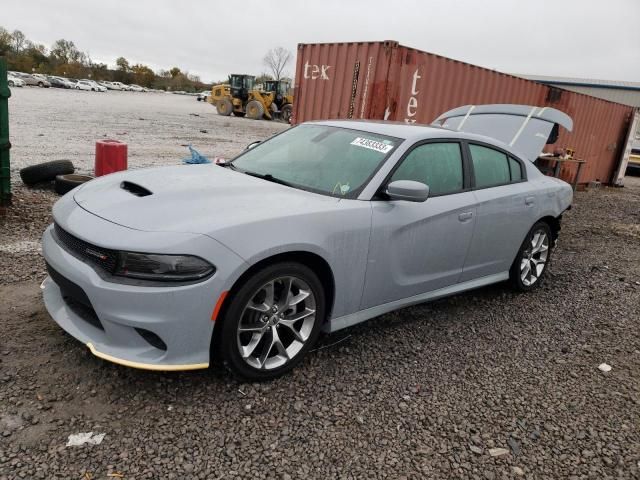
x: 5, y: 145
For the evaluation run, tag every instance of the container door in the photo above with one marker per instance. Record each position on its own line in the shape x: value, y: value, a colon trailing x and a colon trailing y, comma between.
x: 525, y: 128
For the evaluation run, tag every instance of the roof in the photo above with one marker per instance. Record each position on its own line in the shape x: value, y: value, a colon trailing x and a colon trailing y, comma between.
x: 392, y: 129
x: 583, y: 82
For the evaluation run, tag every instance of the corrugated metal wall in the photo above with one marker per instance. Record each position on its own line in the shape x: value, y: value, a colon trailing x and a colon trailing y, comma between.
x: 383, y: 80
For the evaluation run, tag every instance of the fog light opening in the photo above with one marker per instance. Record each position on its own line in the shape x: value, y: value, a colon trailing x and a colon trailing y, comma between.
x: 152, y: 339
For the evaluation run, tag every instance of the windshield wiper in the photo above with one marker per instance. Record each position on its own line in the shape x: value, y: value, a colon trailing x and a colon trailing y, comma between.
x: 269, y: 178
x: 227, y: 165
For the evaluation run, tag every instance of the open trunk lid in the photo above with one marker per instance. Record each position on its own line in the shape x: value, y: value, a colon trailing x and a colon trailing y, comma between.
x: 525, y: 128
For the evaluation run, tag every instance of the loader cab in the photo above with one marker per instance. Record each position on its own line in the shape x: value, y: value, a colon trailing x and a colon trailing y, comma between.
x: 279, y: 88
x: 241, y: 85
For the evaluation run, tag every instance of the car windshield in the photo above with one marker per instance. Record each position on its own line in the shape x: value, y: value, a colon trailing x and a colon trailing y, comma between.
x: 328, y: 160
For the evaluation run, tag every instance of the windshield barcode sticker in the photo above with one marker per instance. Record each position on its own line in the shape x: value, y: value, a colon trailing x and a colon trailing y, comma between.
x: 372, y: 145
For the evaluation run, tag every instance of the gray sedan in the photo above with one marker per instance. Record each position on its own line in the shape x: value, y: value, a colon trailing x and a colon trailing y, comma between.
x: 321, y: 227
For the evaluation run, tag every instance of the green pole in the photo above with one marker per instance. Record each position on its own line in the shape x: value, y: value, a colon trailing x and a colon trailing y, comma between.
x: 5, y: 145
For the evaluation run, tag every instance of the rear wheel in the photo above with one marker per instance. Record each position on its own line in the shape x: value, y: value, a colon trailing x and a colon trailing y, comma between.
x: 11, y: 84
x: 530, y: 264
x: 255, y: 110
x: 273, y: 321
x: 224, y: 107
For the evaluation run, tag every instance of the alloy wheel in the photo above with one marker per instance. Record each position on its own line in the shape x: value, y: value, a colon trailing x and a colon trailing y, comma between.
x: 276, y: 323
x: 534, y: 258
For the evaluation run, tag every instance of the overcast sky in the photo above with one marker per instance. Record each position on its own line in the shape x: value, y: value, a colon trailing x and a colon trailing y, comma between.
x: 578, y: 38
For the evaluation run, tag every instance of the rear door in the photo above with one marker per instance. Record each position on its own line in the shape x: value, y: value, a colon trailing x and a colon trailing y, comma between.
x: 525, y: 128
x: 506, y: 210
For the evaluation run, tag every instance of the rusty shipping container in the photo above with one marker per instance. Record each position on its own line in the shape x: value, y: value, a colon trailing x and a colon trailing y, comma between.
x: 385, y: 80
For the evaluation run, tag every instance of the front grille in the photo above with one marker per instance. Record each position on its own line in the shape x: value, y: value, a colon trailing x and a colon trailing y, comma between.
x: 101, y: 257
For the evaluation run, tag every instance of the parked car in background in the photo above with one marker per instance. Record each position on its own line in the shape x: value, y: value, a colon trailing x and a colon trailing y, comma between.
x: 84, y: 85
x: 68, y: 82
x: 109, y: 85
x: 95, y: 86
x: 58, y: 82
x: 363, y: 217
x: 633, y: 166
x: 202, y: 96
x: 136, y: 88
x: 14, y: 81
x: 120, y: 86
x: 32, y: 80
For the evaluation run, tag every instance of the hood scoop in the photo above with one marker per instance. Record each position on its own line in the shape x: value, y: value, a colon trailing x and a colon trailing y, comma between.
x: 135, y: 189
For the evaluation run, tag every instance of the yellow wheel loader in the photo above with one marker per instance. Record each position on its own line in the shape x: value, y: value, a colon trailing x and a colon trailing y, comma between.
x: 241, y: 98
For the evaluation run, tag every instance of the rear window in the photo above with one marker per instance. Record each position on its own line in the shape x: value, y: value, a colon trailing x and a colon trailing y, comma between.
x: 490, y: 166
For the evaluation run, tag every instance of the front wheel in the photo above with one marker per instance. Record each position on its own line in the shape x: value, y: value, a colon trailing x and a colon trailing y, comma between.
x: 273, y: 321
x: 254, y: 110
x: 533, y: 257
x: 286, y: 113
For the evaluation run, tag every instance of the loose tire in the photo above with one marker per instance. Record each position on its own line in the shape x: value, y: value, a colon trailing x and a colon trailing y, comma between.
x: 254, y: 110
x: 286, y: 113
x: 45, y: 172
x: 273, y: 320
x: 66, y: 183
x: 224, y: 107
x: 531, y: 262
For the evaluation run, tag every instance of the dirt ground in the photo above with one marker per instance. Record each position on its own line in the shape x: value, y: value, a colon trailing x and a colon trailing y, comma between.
x: 426, y: 392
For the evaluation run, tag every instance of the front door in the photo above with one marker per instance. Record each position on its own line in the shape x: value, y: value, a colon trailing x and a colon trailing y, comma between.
x: 420, y: 247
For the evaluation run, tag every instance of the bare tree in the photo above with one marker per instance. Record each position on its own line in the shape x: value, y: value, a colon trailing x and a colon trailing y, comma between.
x: 18, y: 40
x: 276, y: 60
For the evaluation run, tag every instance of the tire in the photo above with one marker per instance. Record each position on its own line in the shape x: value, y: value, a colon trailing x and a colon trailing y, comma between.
x: 267, y: 360
x: 77, y: 88
x: 11, y: 83
x: 40, y: 84
x: 224, y: 107
x: 287, y: 110
x: 531, y: 262
x: 66, y: 183
x: 45, y: 172
x: 254, y: 110
x: 238, y: 114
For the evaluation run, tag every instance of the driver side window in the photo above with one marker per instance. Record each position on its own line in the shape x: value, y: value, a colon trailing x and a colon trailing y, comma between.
x: 438, y: 165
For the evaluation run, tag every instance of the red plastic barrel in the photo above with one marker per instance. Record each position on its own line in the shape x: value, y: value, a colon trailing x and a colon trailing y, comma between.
x: 111, y: 156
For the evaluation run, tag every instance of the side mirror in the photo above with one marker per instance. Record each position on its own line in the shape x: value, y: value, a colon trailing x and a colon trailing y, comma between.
x: 253, y: 144
x: 407, y: 190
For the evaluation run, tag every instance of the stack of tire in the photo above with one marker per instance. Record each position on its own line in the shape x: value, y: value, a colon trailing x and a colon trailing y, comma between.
x: 61, y: 172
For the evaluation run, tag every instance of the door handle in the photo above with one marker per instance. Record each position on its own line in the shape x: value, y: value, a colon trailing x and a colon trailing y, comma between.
x: 530, y: 200
x: 463, y: 217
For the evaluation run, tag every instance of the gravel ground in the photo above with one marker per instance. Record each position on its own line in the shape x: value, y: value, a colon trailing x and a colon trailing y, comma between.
x: 486, y: 385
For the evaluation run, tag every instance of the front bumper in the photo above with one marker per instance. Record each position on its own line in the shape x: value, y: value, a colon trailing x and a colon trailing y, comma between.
x: 116, y: 324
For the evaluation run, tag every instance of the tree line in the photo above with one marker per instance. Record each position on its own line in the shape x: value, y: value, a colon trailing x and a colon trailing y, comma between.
x: 66, y: 60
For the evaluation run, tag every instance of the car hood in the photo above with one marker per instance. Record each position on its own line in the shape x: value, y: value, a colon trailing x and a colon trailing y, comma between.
x: 193, y: 198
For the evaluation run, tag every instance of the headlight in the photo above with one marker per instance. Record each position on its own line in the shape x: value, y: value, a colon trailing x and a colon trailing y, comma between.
x: 174, y: 268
